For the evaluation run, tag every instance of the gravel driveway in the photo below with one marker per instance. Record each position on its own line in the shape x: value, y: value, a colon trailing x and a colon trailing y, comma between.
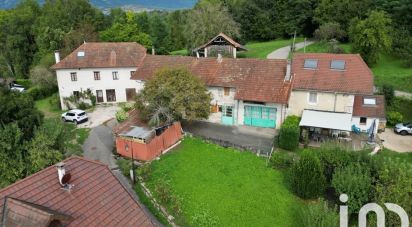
x: 100, y: 115
x: 396, y: 142
x: 283, y: 53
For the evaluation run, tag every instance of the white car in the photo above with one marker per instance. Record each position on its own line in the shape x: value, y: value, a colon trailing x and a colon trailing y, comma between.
x: 76, y: 116
x: 17, y: 87
x: 403, y: 128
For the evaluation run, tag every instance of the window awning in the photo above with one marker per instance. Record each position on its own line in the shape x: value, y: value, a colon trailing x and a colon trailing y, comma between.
x: 325, y: 119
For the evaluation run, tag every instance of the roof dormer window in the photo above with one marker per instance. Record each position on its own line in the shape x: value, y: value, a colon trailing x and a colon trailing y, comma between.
x: 369, y: 101
x: 337, y: 64
x: 80, y: 54
x: 310, y: 64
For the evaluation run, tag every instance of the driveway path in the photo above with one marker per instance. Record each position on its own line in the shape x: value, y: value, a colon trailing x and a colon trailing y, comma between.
x: 100, y: 144
x: 403, y: 94
x: 396, y: 142
x: 283, y: 53
x: 243, y: 137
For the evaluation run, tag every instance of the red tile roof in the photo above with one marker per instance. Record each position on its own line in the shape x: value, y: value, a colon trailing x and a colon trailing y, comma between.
x: 97, y: 198
x: 104, y: 55
x: 362, y: 110
x: 260, y: 80
x: 357, y: 78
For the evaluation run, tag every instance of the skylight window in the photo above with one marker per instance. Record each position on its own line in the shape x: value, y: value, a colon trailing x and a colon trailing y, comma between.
x: 80, y: 54
x: 369, y: 101
x: 337, y: 64
x: 310, y: 64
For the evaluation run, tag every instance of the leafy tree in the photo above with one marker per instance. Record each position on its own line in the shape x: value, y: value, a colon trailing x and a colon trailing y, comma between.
x: 12, y: 165
x: 328, y: 31
x: 142, y: 20
x: 19, y: 108
x: 159, y: 32
x: 176, y: 21
x: 307, y: 177
x: 389, y: 92
x: 355, y: 181
x: 371, y: 36
x: 75, y: 37
x: 207, y: 21
x: 128, y: 32
x: 47, y: 146
x: 42, y: 77
x: 173, y: 93
x: 17, y: 39
x: 341, y: 11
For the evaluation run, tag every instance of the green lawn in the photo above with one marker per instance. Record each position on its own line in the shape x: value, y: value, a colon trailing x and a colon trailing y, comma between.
x: 179, y: 52
x: 262, y: 49
x: 49, y: 106
x: 224, y: 186
x: 388, y: 70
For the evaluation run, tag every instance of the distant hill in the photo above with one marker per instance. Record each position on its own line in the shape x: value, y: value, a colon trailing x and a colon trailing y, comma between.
x: 135, y: 4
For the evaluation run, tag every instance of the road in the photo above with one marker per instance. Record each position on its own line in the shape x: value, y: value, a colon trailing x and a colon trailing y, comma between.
x: 283, y: 53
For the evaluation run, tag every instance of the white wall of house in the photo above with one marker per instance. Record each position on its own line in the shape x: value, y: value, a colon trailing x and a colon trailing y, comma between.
x: 365, y: 127
x: 85, y: 80
x: 337, y: 102
x: 219, y: 97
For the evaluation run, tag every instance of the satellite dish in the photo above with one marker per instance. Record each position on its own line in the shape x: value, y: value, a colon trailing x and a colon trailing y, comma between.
x: 66, y: 178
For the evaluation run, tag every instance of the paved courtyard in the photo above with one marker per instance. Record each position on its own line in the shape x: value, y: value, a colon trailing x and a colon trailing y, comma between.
x: 100, y: 115
x: 244, y: 137
x: 396, y: 142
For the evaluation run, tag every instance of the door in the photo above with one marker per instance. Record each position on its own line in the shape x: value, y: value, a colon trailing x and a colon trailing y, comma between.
x: 260, y: 116
x: 111, y: 95
x: 130, y: 94
x: 99, y: 96
x: 227, y: 115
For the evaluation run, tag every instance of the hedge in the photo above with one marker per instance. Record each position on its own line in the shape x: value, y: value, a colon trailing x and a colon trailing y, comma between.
x: 289, y: 133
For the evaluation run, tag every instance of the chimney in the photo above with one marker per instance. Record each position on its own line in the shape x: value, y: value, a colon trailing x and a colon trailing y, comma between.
x: 57, y: 56
x: 219, y: 58
x: 61, y: 171
x: 153, y: 50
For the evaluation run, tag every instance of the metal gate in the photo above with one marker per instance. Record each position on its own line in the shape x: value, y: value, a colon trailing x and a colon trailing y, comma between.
x: 260, y: 116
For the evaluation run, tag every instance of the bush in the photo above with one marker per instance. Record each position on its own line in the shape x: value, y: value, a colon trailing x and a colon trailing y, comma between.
x: 83, y: 106
x: 289, y: 133
x: 55, y: 102
x: 38, y: 93
x: 394, y: 117
x: 144, y: 172
x: 329, y: 31
x: 355, y: 181
x: 124, y: 166
x: 389, y: 92
x: 281, y: 160
x: 307, y: 177
x: 318, y: 215
x: 126, y: 106
x: 121, y: 115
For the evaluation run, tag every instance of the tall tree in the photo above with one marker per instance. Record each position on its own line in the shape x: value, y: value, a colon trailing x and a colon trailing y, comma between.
x: 371, y: 36
x: 128, y: 32
x: 176, y: 21
x: 17, y: 38
x: 207, y: 21
x: 159, y: 32
x: 173, y: 92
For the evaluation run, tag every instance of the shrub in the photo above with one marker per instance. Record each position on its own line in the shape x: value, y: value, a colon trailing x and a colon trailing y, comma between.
x: 318, y: 215
x: 355, y: 181
x: 394, y: 184
x: 389, y: 92
x: 145, y: 172
x: 282, y: 160
x: 394, y: 117
x: 83, y: 106
x: 121, y: 115
x: 124, y: 166
x: 307, y: 177
x: 329, y: 31
x: 55, y: 102
x: 289, y: 133
x: 126, y: 106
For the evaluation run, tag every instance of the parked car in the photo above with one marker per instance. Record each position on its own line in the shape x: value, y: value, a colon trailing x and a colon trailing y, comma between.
x: 17, y: 87
x: 76, y: 116
x: 403, y: 128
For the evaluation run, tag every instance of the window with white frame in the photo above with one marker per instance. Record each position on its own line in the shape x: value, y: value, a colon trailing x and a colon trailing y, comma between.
x: 313, y: 97
x: 115, y: 75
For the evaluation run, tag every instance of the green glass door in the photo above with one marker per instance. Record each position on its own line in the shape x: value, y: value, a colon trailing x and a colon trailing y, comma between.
x: 260, y: 116
x: 227, y: 115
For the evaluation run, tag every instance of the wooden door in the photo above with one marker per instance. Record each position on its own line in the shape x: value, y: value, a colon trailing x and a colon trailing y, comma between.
x: 130, y: 94
x: 99, y: 96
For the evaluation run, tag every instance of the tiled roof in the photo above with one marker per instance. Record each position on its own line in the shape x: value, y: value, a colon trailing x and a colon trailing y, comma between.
x: 362, y: 110
x: 356, y: 78
x: 227, y: 38
x: 104, y: 55
x: 97, y: 198
x: 260, y: 80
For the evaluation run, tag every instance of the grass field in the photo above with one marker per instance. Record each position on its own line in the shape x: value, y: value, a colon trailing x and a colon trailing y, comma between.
x: 49, y: 107
x: 388, y: 70
x: 224, y: 187
x: 179, y: 52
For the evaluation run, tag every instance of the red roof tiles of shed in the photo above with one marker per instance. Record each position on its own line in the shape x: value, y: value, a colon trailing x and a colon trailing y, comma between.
x: 104, y: 55
x: 356, y: 78
x: 362, y: 110
x: 97, y: 198
x: 259, y: 80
